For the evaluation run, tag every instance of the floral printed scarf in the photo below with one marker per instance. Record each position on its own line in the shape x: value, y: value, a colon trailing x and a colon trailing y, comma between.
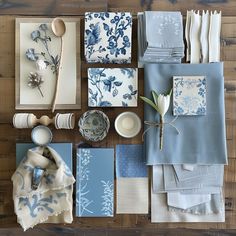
x: 51, y: 201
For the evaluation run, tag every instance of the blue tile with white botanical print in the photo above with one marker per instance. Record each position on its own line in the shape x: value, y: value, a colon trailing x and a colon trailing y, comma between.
x: 95, y: 182
x: 189, y: 95
x: 108, y: 37
x: 112, y: 87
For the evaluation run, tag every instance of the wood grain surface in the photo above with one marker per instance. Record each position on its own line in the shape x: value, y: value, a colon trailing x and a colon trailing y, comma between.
x: 120, y: 224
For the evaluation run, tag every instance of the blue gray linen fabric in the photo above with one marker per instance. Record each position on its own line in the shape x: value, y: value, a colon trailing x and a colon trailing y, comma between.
x: 202, y: 139
x: 160, y: 36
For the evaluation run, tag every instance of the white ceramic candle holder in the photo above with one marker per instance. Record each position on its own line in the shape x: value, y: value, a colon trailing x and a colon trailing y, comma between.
x: 29, y: 120
x: 64, y: 121
x: 24, y: 120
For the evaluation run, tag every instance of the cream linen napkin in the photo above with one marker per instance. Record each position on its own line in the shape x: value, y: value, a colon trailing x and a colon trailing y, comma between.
x: 52, y: 201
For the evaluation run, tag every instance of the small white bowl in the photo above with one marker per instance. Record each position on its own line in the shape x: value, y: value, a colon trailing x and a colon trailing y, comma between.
x: 128, y: 124
x: 41, y: 135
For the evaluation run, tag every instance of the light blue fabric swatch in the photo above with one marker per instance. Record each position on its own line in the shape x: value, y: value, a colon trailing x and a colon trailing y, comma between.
x: 202, y: 139
x: 130, y: 161
x: 63, y: 149
x: 95, y: 182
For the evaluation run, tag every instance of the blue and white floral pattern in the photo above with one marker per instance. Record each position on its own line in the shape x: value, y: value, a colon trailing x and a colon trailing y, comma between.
x: 95, y: 182
x: 38, y: 203
x: 109, y: 87
x: 189, y: 95
x: 107, y: 198
x: 82, y: 201
x: 108, y: 37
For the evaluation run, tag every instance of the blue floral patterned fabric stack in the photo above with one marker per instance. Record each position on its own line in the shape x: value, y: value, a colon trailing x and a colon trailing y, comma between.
x: 108, y: 37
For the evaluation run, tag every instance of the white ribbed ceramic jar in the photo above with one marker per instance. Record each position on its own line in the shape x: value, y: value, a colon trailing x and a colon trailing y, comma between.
x: 24, y: 120
x: 65, y: 121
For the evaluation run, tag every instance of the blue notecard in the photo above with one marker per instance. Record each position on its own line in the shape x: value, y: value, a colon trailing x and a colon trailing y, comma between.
x: 95, y: 182
x: 63, y: 149
x: 130, y: 161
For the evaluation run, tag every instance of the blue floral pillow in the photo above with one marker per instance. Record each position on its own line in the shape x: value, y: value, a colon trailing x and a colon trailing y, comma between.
x: 108, y: 37
x: 189, y: 95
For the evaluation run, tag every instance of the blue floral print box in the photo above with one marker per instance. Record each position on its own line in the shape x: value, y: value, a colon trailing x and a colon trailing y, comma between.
x: 108, y: 37
x: 112, y: 87
x: 189, y: 95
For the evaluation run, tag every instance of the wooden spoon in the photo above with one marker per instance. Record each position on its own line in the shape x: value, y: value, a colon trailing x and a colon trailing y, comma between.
x: 59, y: 29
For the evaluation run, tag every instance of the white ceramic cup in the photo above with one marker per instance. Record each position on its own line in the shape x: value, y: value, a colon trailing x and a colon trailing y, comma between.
x: 41, y: 135
x: 128, y: 124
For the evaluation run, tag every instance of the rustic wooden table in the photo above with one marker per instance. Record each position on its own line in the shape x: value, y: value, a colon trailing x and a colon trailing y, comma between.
x: 120, y: 224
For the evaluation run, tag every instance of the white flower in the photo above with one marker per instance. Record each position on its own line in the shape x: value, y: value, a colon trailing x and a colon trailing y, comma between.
x: 163, y: 103
x: 41, y: 65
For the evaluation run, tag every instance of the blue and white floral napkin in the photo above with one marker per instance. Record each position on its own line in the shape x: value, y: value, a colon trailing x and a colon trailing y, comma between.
x: 108, y: 37
x: 52, y: 201
x: 112, y: 87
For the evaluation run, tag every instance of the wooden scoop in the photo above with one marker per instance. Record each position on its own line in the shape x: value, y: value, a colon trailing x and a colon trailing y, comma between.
x: 59, y: 29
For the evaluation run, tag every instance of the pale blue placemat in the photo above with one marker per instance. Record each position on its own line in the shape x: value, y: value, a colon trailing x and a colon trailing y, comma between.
x: 63, y: 149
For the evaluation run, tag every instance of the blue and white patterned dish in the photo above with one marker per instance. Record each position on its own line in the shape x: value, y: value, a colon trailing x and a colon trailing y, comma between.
x: 117, y: 87
x: 108, y: 37
x: 189, y: 95
x: 94, y: 125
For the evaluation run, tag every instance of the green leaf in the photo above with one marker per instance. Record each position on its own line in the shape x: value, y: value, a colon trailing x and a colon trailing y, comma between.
x: 169, y: 93
x: 155, y: 97
x: 150, y: 102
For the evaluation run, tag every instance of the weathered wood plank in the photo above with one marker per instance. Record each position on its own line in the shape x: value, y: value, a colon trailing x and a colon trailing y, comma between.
x: 72, y: 7
x: 51, y: 7
x: 226, y: 6
x: 66, y: 231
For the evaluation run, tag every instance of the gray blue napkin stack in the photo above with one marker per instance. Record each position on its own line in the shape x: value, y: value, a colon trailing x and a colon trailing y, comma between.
x: 161, y: 37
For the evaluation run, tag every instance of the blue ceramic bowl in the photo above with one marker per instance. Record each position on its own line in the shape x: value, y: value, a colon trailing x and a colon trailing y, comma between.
x: 94, y: 125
